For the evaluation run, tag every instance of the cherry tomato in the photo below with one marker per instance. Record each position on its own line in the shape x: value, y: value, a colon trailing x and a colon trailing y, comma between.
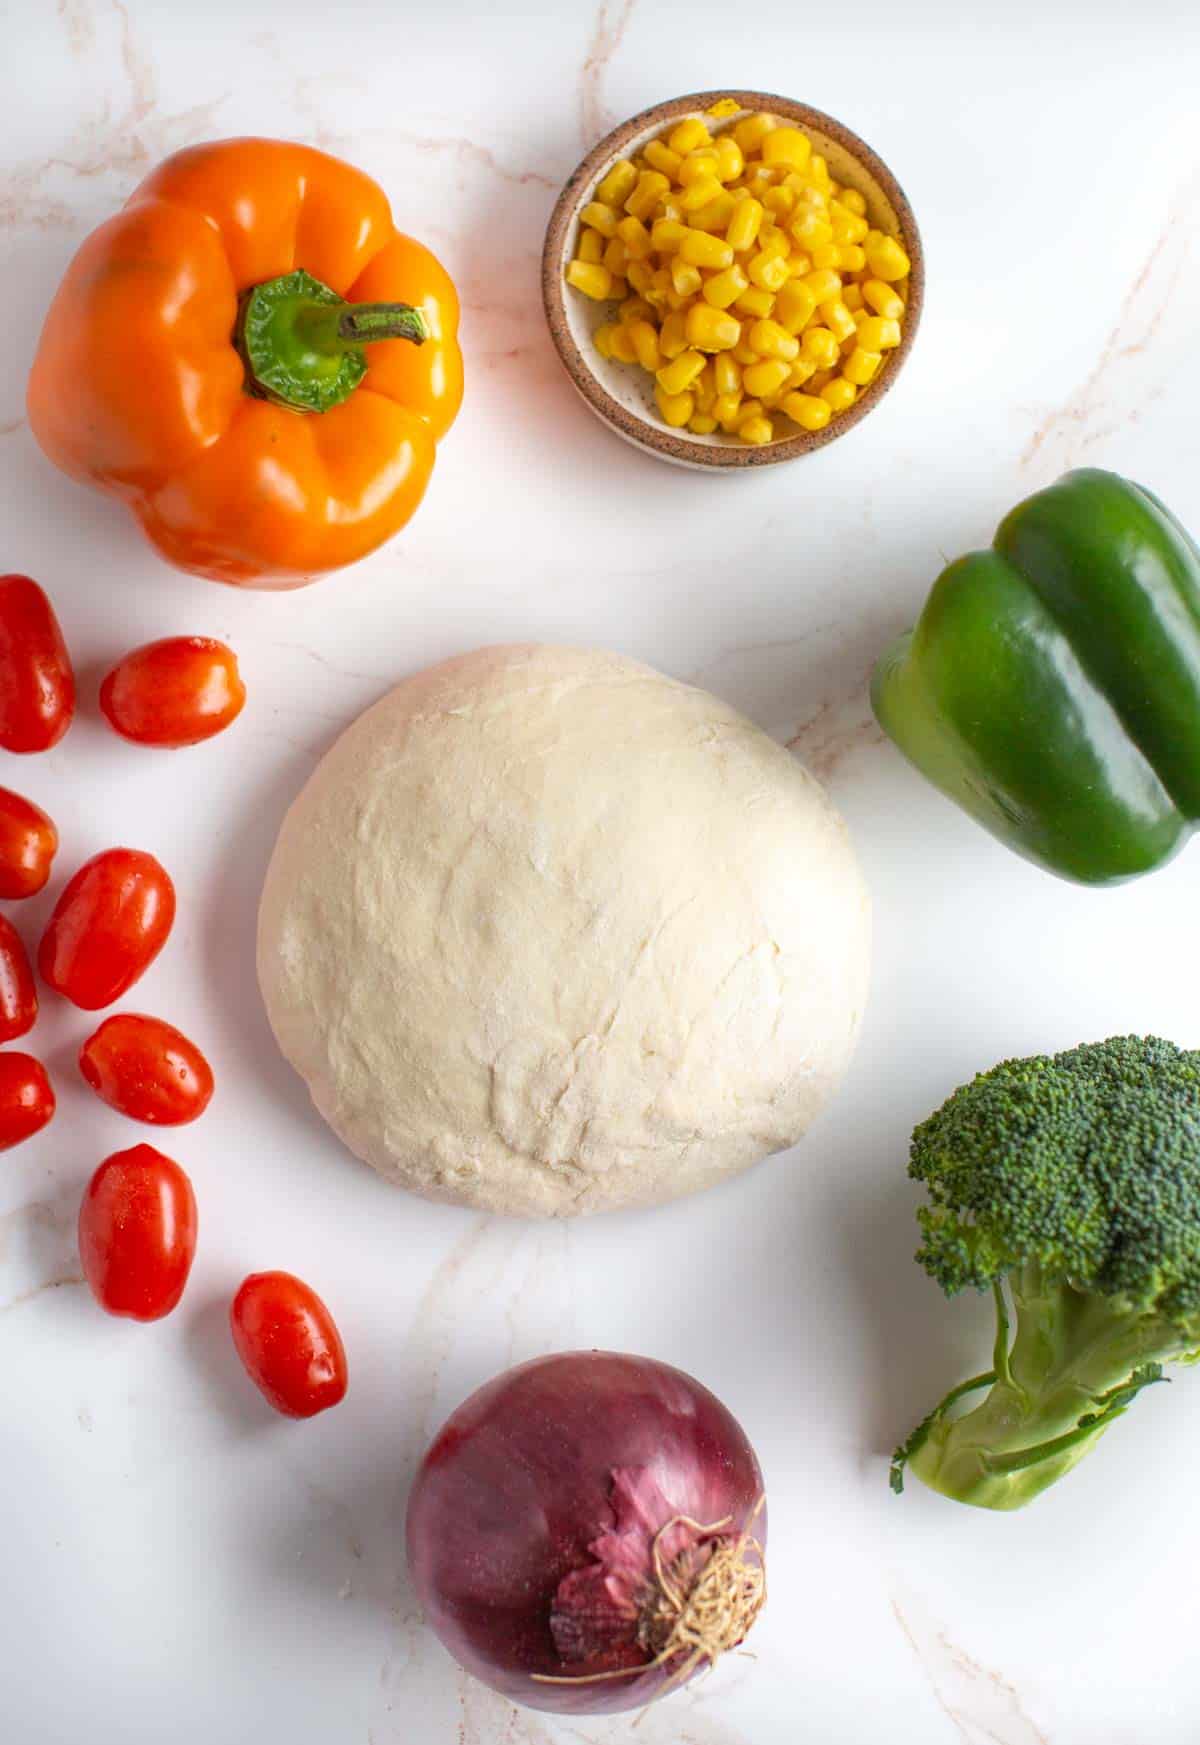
x: 26, y: 1099
x: 28, y: 844
x: 288, y: 1343
x: 175, y: 692
x: 147, y: 1070
x: 18, y: 993
x: 137, y: 1233
x: 37, y: 685
x: 107, y: 928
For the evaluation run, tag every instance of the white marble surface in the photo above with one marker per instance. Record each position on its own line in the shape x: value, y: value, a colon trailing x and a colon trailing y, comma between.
x: 178, y: 1564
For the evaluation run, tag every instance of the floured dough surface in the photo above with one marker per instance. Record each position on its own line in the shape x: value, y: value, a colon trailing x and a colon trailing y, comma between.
x: 548, y: 932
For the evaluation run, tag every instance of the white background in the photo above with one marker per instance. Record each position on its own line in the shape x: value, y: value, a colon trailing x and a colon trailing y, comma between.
x: 178, y: 1563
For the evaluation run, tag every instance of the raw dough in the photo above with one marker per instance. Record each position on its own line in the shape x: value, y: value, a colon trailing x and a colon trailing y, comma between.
x: 548, y: 932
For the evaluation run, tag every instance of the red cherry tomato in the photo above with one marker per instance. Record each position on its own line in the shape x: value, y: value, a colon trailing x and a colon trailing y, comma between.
x: 288, y: 1343
x: 26, y: 1099
x: 137, y: 1233
x: 28, y: 844
x: 175, y: 692
x: 37, y: 685
x: 18, y: 993
x: 147, y: 1070
x: 107, y: 928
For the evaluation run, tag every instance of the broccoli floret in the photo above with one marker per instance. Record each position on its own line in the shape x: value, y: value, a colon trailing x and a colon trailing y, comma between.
x: 1069, y: 1186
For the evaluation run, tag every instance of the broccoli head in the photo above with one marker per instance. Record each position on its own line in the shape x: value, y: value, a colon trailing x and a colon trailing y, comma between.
x: 1069, y: 1186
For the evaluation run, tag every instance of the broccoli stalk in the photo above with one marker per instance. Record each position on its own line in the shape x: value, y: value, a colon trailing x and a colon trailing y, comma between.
x: 1070, y: 1187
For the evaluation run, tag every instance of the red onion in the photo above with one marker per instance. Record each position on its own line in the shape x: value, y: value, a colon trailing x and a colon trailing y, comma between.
x: 586, y: 1532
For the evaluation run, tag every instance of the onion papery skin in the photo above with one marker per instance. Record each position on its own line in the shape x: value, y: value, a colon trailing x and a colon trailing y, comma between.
x: 538, y: 1473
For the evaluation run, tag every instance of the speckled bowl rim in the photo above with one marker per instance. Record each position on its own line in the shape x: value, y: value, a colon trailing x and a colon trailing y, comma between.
x: 660, y: 438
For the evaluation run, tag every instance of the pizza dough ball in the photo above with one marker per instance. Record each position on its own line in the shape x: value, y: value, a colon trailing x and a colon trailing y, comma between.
x: 548, y: 932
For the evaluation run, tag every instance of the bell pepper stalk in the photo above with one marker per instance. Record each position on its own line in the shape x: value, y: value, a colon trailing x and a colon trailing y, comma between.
x: 302, y: 344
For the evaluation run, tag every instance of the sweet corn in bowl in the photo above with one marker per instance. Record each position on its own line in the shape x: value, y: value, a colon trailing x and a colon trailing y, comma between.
x: 732, y: 278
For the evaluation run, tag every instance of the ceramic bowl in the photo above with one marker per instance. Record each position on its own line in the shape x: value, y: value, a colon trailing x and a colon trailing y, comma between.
x: 622, y: 394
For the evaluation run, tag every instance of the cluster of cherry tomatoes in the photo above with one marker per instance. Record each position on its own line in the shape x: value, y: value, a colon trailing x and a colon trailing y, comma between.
x: 137, y: 1222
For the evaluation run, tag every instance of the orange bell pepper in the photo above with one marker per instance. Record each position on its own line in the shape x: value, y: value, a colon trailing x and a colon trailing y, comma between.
x: 254, y: 359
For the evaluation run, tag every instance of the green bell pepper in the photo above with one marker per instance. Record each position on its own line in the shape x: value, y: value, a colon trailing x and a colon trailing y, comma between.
x: 1052, y: 684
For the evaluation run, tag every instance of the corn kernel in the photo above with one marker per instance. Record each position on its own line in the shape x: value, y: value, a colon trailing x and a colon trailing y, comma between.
x: 602, y: 338
x: 670, y: 208
x: 752, y: 131
x: 799, y: 372
x: 886, y: 259
x: 809, y: 411
x: 883, y: 299
x: 755, y: 301
x: 685, y: 277
x: 787, y: 145
x: 675, y: 409
x: 749, y: 409
x: 878, y: 333
x: 678, y: 375
x: 699, y: 193
x: 701, y: 250
x: 702, y: 424
x: 744, y: 223
x: 848, y: 226
x: 618, y: 184
x: 818, y: 380
x: 716, y: 215
x: 798, y: 265
x: 794, y: 306
x: 826, y: 257
x: 723, y: 288
x: 727, y: 374
x: 852, y: 296
x: 853, y: 201
x: 730, y: 161
x: 650, y: 188
x: 838, y: 319
x: 666, y: 234
x: 618, y: 289
x: 640, y: 275
x: 768, y: 271
x: 622, y: 346
x: 756, y: 430
x: 819, y: 345
x: 614, y: 257
x: 839, y: 393
x: 636, y: 237
x: 725, y: 409
x: 660, y: 284
x: 644, y: 338
x: 591, y: 248
x: 593, y: 280
x: 852, y: 258
x: 710, y: 329
x: 818, y: 172
x: 780, y: 201
x: 599, y: 217
x: 704, y: 388
x: 823, y: 284
x: 724, y: 107
x: 810, y: 229
x: 687, y: 135
x: 698, y: 166
x: 861, y: 365
x: 671, y: 338
x: 765, y: 377
x: 661, y: 157
x: 769, y: 339
x: 772, y: 240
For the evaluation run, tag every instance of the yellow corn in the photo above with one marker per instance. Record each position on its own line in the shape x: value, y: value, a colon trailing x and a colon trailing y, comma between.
x: 772, y: 240
x: 882, y: 299
x: 614, y: 257
x: 697, y: 166
x: 622, y: 346
x: 725, y: 409
x: 851, y: 258
x: 765, y: 377
x: 744, y: 223
x: 635, y: 309
x: 704, y: 388
x: 699, y: 193
x: 730, y: 160
x: 671, y: 337
x: 727, y: 374
x: 593, y: 280
x: 723, y: 288
x: 848, y: 226
x: 745, y: 353
x: 640, y: 275
x: 823, y: 284
x: 598, y: 216
x: 680, y: 373
x: 769, y: 339
x: 602, y: 338
x: 643, y: 336
x: 818, y: 172
x: 795, y: 305
x: 798, y: 264
x: 675, y: 409
x: 767, y: 270
x: 861, y: 365
x: 755, y: 301
x: 818, y: 380
x: 780, y: 201
x: 667, y: 234
x: 716, y: 215
x: 787, y: 145
x: 756, y: 430
x: 799, y: 371
x: 886, y: 259
x: 749, y: 409
x: 685, y: 277
x: 591, y: 248
x: 619, y: 183
x: 838, y: 319
x: 820, y: 347
x: 710, y: 329
x: 724, y: 107
x: 703, y: 250
x: 853, y: 201
x: 687, y: 135
x: 660, y: 284
x: 839, y: 393
x: 650, y: 187
x: 752, y: 131
x: 826, y: 257
x: 636, y: 237
x: 811, y: 229
x: 661, y: 157
x: 702, y: 424
x: 877, y: 333
x: 809, y: 411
